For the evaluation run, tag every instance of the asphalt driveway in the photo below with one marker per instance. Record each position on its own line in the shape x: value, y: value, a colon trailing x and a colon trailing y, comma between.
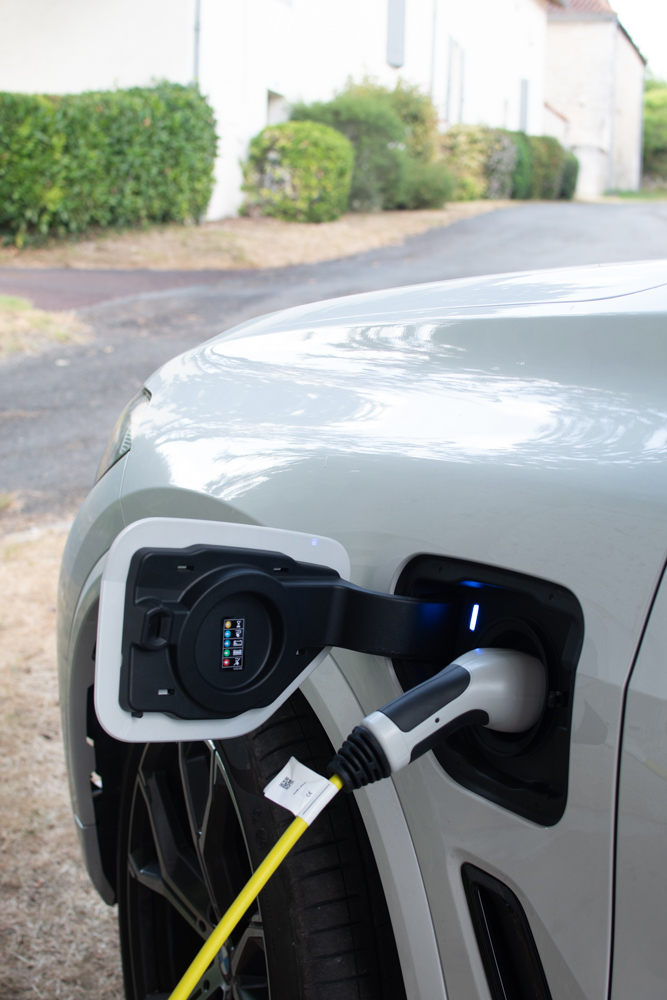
x: 57, y: 409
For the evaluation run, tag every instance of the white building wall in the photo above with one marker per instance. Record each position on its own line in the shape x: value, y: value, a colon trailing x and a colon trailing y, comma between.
x: 580, y: 84
x: 494, y: 46
x: 594, y: 76
x: 305, y: 51
x: 472, y: 57
x: 556, y: 125
x: 68, y: 46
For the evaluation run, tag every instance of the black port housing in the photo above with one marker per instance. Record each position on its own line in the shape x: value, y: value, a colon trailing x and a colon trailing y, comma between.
x: 526, y: 773
x: 506, y: 943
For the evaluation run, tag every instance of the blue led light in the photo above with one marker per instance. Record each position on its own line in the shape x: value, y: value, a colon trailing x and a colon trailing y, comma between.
x: 227, y: 633
x: 473, y: 617
x: 431, y: 613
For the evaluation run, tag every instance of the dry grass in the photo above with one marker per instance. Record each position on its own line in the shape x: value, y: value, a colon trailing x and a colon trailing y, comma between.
x: 242, y: 243
x: 57, y: 938
x: 23, y: 328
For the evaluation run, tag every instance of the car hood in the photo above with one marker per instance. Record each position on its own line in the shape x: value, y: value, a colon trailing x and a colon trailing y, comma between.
x: 515, y: 420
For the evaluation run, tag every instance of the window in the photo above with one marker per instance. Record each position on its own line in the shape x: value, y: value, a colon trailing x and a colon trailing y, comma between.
x: 396, y: 32
x: 523, y: 107
x: 277, y: 108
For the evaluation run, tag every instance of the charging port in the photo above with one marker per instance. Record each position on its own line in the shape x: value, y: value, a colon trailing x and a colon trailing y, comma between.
x: 526, y: 773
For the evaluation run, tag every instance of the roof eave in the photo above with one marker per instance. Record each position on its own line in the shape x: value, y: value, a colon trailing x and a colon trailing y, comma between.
x: 567, y: 14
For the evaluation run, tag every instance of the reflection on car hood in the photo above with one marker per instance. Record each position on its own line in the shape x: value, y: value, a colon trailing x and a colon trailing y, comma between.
x: 534, y: 292
x: 530, y: 436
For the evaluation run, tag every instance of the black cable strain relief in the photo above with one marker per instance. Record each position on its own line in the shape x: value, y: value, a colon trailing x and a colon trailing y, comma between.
x: 360, y: 761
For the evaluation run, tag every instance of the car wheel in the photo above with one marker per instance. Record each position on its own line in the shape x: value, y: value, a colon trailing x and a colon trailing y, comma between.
x: 194, y: 824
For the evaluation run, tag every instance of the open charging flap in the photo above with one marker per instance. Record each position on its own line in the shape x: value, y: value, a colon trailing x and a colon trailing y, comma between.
x: 206, y: 627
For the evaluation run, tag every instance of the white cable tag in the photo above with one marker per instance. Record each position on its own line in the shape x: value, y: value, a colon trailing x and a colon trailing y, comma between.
x: 304, y: 792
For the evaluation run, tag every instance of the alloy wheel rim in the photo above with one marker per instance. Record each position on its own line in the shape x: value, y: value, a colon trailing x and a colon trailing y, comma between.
x: 187, y: 860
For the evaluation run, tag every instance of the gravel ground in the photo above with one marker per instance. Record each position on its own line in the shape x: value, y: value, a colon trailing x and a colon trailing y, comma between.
x: 24, y: 329
x: 231, y: 244
x: 57, y: 938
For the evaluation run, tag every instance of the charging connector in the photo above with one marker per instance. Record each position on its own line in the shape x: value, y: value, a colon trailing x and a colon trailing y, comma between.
x: 500, y: 689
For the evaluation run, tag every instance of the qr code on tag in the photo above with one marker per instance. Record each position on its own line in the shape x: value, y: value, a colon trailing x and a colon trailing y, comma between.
x: 286, y: 783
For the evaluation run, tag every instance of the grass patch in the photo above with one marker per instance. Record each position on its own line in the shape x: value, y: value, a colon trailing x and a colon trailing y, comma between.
x: 6, y: 501
x: 23, y: 328
x: 646, y: 194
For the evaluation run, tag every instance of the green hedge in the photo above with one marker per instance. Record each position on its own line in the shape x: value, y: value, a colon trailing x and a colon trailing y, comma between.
x: 482, y: 159
x: 522, y: 178
x: 493, y: 163
x: 570, y: 175
x: 377, y: 135
x: 394, y: 135
x: 298, y: 171
x: 118, y: 158
x: 655, y: 129
x: 548, y: 164
x: 424, y: 185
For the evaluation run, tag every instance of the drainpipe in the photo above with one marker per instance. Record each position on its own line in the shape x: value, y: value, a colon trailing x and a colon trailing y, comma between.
x: 195, y: 75
x: 612, y: 124
x: 434, y: 47
x: 641, y: 132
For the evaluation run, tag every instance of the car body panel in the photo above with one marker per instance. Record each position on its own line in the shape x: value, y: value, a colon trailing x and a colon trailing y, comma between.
x: 96, y: 525
x: 640, y: 957
x: 518, y: 421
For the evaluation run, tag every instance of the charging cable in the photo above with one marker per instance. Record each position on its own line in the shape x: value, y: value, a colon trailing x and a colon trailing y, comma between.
x: 249, y: 893
x: 497, y: 688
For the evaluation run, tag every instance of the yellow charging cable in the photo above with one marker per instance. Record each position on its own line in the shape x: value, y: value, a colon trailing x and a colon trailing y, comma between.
x: 247, y: 895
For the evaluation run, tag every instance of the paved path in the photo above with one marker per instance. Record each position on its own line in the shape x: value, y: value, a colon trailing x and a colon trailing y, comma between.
x: 68, y: 288
x: 56, y: 410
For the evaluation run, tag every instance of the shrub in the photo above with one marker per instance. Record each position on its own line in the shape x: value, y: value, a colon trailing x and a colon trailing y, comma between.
x: 298, y: 171
x: 501, y: 162
x: 121, y: 157
x: 493, y: 163
x: 415, y: 110
x: 394, y: 134
x: 424, y: 185
x: 377, y: 135
x: 464, y: 149
x: 568, y: 184
x: 522, y: 178
x: 548, y: 164
x: 482, y: 159
x: 655, y: 130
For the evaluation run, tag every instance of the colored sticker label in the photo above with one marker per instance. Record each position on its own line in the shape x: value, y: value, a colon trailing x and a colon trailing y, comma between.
x: 233, y: 639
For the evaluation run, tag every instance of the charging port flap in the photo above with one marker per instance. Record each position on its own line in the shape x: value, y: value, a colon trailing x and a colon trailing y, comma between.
x: 209, y: 590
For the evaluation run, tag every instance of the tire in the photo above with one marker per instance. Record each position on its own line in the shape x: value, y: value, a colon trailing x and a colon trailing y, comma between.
x: 193, y: 825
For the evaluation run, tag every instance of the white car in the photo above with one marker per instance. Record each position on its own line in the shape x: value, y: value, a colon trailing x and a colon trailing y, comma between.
x: 492, y: 446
